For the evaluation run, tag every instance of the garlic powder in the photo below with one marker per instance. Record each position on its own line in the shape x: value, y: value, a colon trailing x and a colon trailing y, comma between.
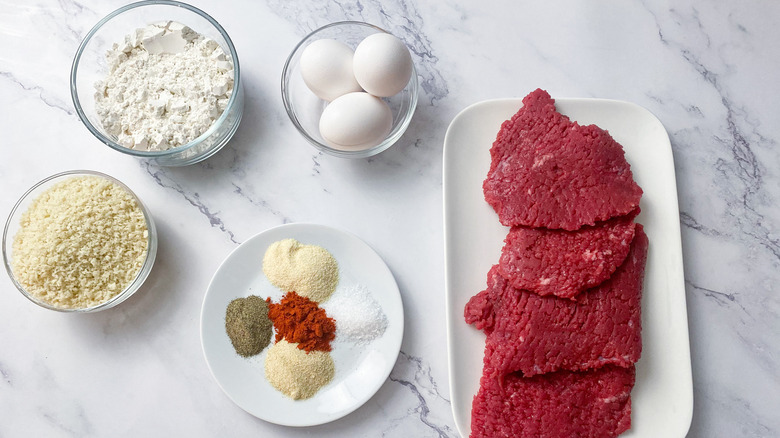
x: 309, y: 270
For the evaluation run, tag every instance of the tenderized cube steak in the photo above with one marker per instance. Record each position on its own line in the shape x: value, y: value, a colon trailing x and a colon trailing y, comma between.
x: 547, y: 171
x: 535, y: 335
x: 564, y: 263
x: 565, y: 404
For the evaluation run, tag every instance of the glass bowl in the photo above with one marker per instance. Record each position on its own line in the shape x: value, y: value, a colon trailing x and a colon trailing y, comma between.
x: 13, y: 224
x: 305, y: 108
x: 90, y: 66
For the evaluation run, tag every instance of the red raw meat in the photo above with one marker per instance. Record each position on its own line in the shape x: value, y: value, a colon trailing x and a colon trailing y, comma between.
x: 535, y: 335
x: 564, y: 263
x: 565, y: 404
x: 547, y: 171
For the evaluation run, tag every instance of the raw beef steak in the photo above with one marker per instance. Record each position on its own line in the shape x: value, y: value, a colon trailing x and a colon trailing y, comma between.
x: 564, y: 263
x: 535, y: 335
x: 547, y: 171
x: 565, y: 404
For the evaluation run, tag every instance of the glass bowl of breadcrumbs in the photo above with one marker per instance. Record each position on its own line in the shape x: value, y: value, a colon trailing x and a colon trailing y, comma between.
x: 79, y: 241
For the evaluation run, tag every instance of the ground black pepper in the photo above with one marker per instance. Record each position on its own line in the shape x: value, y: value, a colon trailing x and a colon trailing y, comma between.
x: 248, y: 326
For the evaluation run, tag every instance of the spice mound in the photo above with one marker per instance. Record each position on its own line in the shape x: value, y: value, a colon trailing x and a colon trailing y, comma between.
x: 296, y: 373
x: 165, y: 87
x: 247, y: 325
x: 360, y: 317
x: 309, y: 270
x: 80, y: 243
x: 298, y: 319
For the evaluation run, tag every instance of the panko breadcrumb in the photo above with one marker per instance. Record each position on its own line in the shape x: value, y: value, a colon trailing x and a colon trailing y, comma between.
x: 80, y: 243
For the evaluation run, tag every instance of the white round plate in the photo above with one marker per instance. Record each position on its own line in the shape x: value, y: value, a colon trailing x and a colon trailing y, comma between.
x: 360, y: 369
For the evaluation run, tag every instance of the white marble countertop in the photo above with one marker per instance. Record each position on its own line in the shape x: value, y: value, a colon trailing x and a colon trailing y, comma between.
x: 707, y: 70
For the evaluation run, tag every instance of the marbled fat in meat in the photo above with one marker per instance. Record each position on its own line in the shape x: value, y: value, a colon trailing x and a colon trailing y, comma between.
x: 547, y: 171
x: 535, y: 335
x: 564, y: 263
x: 565, y: 404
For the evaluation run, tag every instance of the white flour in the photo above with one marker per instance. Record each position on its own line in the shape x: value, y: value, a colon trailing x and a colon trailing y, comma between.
x: 166, y: 86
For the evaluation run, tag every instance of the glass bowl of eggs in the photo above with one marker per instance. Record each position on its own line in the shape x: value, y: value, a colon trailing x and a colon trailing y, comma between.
x: 350, y: 88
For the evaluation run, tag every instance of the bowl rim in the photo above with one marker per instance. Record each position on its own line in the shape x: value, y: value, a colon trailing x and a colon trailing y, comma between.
x: 178, y: 149
x: 364, y: 153
x: 131, y: 288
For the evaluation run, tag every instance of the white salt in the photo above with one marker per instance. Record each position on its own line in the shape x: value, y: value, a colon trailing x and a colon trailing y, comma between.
x: 359, y: 317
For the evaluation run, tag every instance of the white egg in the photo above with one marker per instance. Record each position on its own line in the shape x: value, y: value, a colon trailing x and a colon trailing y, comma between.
x: 382, y: 64
x: 356, y: 121
x: 326, y: 68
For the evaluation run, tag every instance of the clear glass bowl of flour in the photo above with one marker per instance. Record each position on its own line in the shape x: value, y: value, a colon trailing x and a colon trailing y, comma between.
x: 16, y: 221
x: 91, y: 67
